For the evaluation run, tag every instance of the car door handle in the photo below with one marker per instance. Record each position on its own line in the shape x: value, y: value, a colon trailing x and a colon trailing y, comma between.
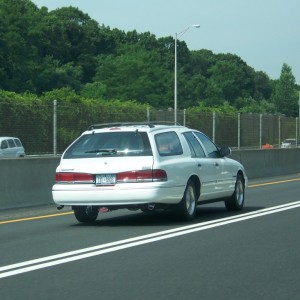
x: 216, y: 164
x: 199, y: 165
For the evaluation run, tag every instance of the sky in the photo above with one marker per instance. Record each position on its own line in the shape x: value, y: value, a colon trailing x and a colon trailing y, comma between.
x: 263, y: 33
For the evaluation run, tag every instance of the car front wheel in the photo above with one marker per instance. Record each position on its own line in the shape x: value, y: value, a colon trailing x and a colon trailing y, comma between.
x: 85, y: 214
x: 236, y: 201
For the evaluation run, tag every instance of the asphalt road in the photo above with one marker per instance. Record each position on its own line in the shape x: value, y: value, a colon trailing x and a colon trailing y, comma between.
x: 253, y: 254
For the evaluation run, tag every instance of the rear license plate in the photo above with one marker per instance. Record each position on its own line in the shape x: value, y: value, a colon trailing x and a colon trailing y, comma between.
x: 105, y: 179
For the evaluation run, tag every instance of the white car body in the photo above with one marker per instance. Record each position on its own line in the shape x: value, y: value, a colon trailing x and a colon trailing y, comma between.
x: 11, y: 147
x: 215, y: 177
x: 289, y: 143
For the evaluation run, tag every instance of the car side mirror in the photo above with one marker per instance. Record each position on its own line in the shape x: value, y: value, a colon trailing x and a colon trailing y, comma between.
x: 225, y: 151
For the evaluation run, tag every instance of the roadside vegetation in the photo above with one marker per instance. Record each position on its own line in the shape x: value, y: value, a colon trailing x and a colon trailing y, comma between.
x: 67, y: 56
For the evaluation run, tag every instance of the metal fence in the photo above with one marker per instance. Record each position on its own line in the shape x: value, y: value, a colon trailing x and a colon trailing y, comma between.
x: 242, y: 130
x: 50, y: 128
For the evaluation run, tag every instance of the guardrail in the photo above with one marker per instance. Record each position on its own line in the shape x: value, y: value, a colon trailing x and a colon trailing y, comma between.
x: 28, y: 181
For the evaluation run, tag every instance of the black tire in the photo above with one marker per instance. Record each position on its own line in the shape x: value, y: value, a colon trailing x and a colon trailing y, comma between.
x: 85, y: 214
x: 186, y: 209
x: 236, y: 201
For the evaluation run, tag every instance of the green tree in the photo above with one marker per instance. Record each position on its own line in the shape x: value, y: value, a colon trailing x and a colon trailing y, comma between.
x: 55, y: 75
x: 94, y: 90
x: 262, y: 86
x: 73, y: 37
x: 229, y: 79
x: 43, y: 51
x: 201, y: 61
x: 20, y: 32
x: 286, y: 95
x: 135, y: 74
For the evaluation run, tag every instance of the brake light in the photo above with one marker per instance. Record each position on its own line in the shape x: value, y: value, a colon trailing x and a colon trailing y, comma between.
x: 74, y: 178
x: 159, y: 175
x: 142, y: 176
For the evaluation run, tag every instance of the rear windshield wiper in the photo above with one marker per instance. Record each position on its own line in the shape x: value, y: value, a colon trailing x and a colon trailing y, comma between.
x: 103, y: 151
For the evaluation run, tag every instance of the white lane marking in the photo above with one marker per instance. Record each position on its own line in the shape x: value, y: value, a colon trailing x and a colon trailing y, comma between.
x: 53, y: 260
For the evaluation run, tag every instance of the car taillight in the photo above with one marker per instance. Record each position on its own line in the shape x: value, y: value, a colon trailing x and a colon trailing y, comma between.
x: 74, y: 177
x: 142, y: 176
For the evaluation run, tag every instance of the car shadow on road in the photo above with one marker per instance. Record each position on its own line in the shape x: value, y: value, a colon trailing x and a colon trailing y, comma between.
x: 165, y: 218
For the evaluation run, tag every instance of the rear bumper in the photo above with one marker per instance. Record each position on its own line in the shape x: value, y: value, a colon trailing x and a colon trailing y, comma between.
x: 124, y: 194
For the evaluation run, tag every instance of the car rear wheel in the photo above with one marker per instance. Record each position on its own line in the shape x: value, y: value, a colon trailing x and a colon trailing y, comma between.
x: 85, y: 214
x: 186, y: 209
x: 236, y: 201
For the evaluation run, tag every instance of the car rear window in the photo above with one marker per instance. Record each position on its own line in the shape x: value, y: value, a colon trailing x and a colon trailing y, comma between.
x: 132, y: 143
x: 18, y: 143
x: 4, y: 144
x: 290, y: 141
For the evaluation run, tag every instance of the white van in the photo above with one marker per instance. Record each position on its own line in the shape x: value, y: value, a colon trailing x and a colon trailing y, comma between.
x: 11, y: 147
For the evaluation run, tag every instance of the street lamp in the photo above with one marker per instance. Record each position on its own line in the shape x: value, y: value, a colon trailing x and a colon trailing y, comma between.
x: 177, y: 36
x: 298, y: 137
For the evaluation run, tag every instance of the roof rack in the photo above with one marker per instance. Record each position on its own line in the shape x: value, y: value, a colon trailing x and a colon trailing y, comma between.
x: 150, y: 124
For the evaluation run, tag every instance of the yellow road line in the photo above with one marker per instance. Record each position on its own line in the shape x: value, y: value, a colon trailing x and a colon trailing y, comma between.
x: 69, y: 213
x: 36, y: 218
x: 274, y: 182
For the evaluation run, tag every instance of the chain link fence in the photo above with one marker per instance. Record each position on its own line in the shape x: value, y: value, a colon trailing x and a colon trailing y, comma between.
x: 50, y: 128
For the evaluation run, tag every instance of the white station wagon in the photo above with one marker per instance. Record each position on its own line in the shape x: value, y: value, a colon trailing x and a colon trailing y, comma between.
x: 148, y: 167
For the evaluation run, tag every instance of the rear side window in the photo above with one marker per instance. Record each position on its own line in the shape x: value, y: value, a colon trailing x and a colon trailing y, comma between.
x: 116, y: 144
x: 11, y: 143
x: 168, y: 144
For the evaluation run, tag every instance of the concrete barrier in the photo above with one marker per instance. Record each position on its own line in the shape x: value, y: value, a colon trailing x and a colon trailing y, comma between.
x: 268, y: 163
x: 28, y: 181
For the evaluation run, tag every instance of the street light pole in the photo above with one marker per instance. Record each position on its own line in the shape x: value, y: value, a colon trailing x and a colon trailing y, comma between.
x: 298, y: 120
x: 175, y: 82
x: 177, y: 36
